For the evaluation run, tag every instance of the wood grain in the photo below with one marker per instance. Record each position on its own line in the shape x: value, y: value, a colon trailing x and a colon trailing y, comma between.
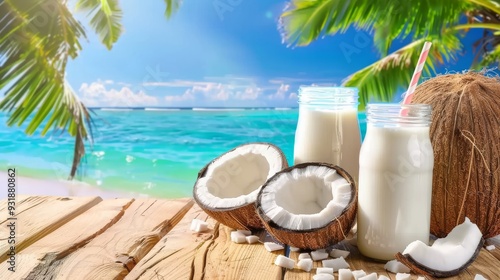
x: 495, y: 241
x: 38, y: 216
x: 173, y: 256
x: 113, y: 253
x: 83, y: 238
x: 182, y: 254
x: 66, y: 239
x: 227, y: 260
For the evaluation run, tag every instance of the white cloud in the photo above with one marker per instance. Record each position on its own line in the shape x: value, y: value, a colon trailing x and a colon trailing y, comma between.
x: 212, y: 93
x: 280, y: 94
x: 293, y: 95
x: 97, y: 94
x: 176, y: 83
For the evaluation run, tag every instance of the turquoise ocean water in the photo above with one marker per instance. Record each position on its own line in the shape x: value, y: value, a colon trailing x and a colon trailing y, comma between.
x: 146, y: 151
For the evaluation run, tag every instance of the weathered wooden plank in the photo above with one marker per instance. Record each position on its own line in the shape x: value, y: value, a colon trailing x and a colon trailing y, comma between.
x: 495, y: 241
x: 485, y: 264
x: 227, y: 260
x: 38, y: 216
x: 173, y: 256
x: 113, y: 253
x: 66, y: 239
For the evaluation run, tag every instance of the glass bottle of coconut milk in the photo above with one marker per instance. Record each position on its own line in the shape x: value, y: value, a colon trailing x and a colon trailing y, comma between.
x: 395, y: 179
x: 328, y: 128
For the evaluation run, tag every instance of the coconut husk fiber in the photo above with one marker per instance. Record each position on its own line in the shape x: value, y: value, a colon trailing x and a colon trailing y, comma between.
x: 465, y: 136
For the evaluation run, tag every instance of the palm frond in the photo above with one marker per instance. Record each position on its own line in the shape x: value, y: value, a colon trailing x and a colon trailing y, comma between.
x: 381, y: 80
x: 307, y: 20
x: 33, y: 67
x: 492, y: 5
x: 172, y: 7
x: 489, y: 59
x: 105, y: 19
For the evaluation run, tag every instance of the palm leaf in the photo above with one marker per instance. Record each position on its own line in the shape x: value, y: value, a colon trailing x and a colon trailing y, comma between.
x: 105, y: 19
x: 172, y: 7
x: 381, y: 80
x: 490, y: 58
x: 33, y: 66
x: 306, y: 20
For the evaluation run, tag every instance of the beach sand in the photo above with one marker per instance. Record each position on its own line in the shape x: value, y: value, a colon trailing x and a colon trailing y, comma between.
x: 32, y: 186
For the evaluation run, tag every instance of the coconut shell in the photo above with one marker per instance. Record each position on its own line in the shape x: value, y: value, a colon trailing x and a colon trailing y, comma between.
x: 317, y: 238
x: 243, y: 217
x: 419, y: 268
x: 465, y: 136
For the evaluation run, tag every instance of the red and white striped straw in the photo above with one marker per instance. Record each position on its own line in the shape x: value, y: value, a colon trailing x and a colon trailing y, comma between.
x: 417, y: 73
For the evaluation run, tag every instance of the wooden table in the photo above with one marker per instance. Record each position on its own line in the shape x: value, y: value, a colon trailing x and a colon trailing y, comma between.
x: 90, y: 238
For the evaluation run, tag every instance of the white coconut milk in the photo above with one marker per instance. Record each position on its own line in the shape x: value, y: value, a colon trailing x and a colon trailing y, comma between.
x: 330, y: 136
x: 395, y: 188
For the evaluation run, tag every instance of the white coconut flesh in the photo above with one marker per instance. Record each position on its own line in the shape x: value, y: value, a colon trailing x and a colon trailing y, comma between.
x: 236, y: 177
x: 306, y: 198
x: 449, y: 253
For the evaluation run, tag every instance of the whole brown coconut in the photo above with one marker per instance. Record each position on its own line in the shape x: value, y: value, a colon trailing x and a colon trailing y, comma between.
x: 465, y: 136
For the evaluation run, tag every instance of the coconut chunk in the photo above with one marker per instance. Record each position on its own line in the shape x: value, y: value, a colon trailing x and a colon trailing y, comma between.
x: 294, y: 249
x: 448, y: 254
x: 323, y: 277
x: 319, y: 255
x: 490, y: 247
x: 336, y: 264
x: 336, y: 253
x: 479, y: 277
x: 383, y: 277
x: 244, y: 232
x: 358, y: 274
x: 371, y: 276
x: 394, y: 266
x: 238, y: 237
x: 201, y: 226
x: 403, y: 276
x: 271, y: 246
x: 303, y: 256
x: 305, y: 264
x: 284, y: 262
x: 194, y: 223
x: 420, y: 278
x: 251, y: 239
x: 345, y: 274
x: 324, y: 270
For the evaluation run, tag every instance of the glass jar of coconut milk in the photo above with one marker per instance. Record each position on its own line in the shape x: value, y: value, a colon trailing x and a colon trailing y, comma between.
x: 328, y: 128
x: 395, y: 179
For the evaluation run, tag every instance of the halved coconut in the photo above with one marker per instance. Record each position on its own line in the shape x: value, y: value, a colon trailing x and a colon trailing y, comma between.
x: 227, y: 187
x: 447, y: 256
x: 309, y: 205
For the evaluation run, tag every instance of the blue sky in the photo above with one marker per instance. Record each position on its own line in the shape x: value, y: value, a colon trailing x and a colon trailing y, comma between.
x: 222, y: 53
